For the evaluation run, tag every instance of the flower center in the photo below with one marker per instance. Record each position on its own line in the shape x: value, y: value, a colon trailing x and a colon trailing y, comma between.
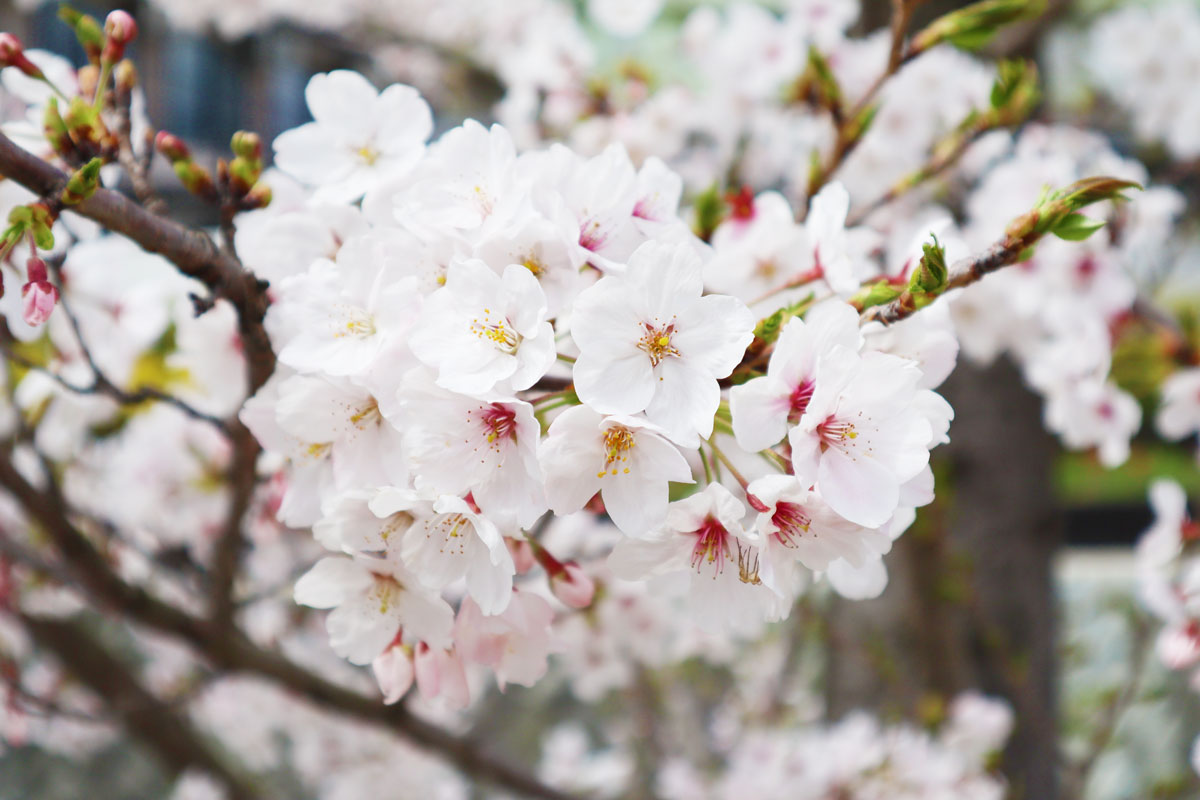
x: 618, y: 441
x: 367, y: 155
x: 836, y: 432
x: 656, y: 342
x: 712, y: 546
x: 497, y: 332
x: 396, y: 523
x: 799, y: 399
x: 533, y: 265
x: 790, y: 523
x: 500, y: 422
x: 384, y: 592
x: 368, y: 415
x: 355, y: 322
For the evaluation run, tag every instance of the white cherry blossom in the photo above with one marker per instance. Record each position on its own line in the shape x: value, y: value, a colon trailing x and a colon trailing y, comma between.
x: 649, y: 341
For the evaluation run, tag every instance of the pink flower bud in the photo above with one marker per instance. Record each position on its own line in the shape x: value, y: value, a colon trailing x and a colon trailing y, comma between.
x: 573, y: 587
x: 37, y: 301
x: 440, y: 673
x: 522, y: 554
x: 119, y: 30
x: 172, y: 147
x: 35, y: 270
x: 394, y: 672
x: 12, y: 54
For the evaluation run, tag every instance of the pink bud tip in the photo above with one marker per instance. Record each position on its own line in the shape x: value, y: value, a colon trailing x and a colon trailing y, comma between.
x: 756, y: 504
x: 120, y: 27
x: 38, y: 299
x: 573, y: 587
x: 12, y: 54
x: 522, y: 555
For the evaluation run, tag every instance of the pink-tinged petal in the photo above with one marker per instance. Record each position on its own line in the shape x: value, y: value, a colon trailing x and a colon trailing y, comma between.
x: 490, y: 586
x: 394, y: 673
x: 861, y: 490
x: 38, y: 299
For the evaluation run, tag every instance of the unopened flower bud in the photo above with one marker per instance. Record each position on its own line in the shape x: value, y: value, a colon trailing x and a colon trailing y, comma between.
x: 87, y: 31
x: 12, y: 54
x: 38, y: 295
x: 196, y: 179
x: 82, y: 121
x: 572, y: 586
x: 55, y: 129
x: 394, y: 672
x: 126, y: 76
x: 257, y: 197
x: 522, y: 554
x: 172, y: 147
x: 83, y: 183
x: 119, y: 30
x: 248, y: 145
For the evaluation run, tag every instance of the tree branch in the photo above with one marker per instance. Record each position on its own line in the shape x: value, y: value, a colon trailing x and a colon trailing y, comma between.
x: 193, y: 252
x: 170, y: 735
x: 229, y: 648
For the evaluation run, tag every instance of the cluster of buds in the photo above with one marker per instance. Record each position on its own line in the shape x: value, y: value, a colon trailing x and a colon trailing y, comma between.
x: 241, y: 175
x: 35, y: 221
x: 195, y: 178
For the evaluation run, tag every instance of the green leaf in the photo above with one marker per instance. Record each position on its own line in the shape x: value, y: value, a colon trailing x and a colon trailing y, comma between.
x: 1077, y: 227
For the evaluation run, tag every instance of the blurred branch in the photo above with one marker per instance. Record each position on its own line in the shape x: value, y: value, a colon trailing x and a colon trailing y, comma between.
x: 167, y: 733
x: 228, y: 648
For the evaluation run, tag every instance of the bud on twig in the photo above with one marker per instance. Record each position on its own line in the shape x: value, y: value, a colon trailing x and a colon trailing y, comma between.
x: 34, y: 220
x: 126, y: 76
x: 119, y: 30
x: 55, y: 129
x: 83, y: 122
x: 172, y: 147
x: 12, y: 54
x: 87, y: 31
x: 974, y: 26
x: 195, y: 178
x: 38, y: 295
x: 83, y: 183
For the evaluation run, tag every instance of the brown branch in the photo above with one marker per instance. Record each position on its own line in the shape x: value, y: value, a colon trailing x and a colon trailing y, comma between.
x: 178, y: 745
x: 229, y: 648
x: 193, y: 252
x: 964, y: 272
x: 848, y: 133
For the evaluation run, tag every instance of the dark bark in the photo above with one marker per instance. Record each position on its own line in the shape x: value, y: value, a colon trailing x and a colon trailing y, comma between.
x: 971, y: 601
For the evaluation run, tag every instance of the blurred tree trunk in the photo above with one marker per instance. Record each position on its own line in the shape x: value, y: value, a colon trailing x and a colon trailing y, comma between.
x: 971, y: 601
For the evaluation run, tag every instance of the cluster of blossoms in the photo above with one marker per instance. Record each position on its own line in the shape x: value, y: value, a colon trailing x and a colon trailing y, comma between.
x: 525, y: 409
x: 860, y: 759
x: 491, y: 337
x: 1168, y: 569
x: 1061, y: 313
x: 1147, y: 60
